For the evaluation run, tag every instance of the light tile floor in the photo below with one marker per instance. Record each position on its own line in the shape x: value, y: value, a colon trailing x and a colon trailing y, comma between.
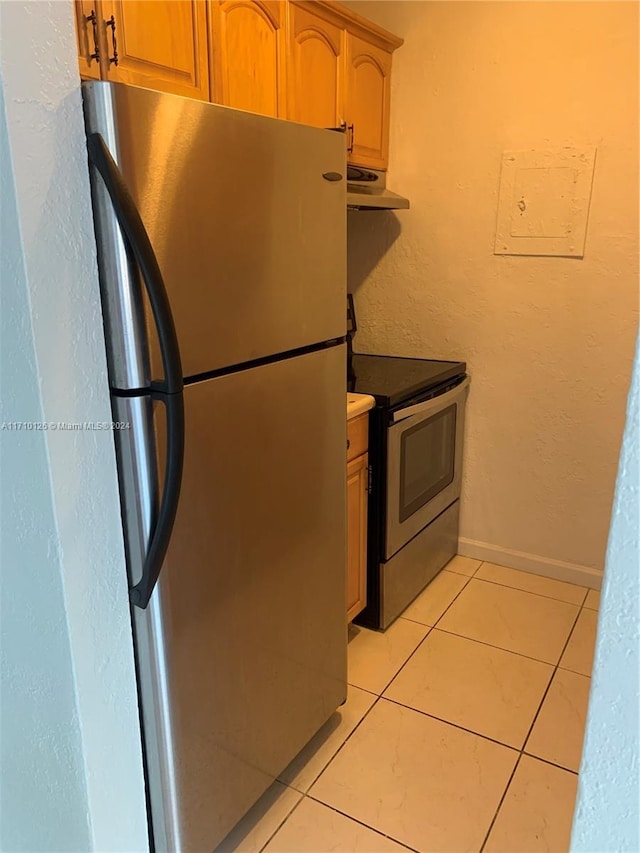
x: 462, y: 730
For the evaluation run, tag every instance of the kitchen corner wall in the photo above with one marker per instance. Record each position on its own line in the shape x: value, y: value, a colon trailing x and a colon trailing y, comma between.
x: 606, y: 816
x: 548, y: 341
x: 43, y: 799
x: 72, y: 773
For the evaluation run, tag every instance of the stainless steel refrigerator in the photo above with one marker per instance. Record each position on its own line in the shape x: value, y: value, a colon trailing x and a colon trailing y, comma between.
x: 221, y: 249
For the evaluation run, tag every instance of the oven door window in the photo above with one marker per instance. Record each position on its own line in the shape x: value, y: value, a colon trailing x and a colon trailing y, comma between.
x: 427, y: 457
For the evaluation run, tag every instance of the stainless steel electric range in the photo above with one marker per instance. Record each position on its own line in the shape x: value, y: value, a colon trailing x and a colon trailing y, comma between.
x: 415, y: 451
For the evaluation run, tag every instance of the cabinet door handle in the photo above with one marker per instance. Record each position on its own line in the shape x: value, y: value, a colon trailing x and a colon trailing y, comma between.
x: 93, y: 18
x: 349, y: 129
x: 352, y: 133
x: 112, y: 23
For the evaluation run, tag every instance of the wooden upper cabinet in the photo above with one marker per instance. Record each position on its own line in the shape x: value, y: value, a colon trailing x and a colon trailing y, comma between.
x: 247, y: 55
x: 312, y: 61
x: 88, y: 27
x: 316, y: 67
x: 367, y: 102
x: 160, y: 45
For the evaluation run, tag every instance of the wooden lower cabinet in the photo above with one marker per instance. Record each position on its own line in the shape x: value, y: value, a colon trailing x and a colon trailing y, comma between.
x: 357, y: 497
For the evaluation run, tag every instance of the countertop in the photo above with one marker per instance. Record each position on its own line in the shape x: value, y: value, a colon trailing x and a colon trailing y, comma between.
x: 358, y: 404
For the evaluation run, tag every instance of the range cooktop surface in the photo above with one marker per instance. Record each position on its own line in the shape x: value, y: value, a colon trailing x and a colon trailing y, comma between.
x: 392, y: 379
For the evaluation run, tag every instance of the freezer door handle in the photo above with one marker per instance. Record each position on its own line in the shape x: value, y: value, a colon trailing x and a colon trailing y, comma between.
x: 169, y: 390
x: 137, y: 240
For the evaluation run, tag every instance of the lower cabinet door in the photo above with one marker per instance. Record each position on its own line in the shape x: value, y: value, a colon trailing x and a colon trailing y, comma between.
x: 357, y: 495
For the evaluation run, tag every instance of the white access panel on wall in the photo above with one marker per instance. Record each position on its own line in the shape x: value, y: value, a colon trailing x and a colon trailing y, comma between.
x: 544, y: 202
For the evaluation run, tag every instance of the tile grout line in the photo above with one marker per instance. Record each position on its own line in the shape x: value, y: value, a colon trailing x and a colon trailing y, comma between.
x: 305, y: 794
x: 524, y: 744
x: 453, y: 725
x: 282, y: 822
x: 550, y: 763
x: 519, y: 750
x: 364, y: 690
x: 366, y: 825
x: 509, y: 651
x: 553, y: 675
x: 402, y: 666
x: 365, y: 715
x: 430, y: 627
x: 484, y: 643
x: 473, y: 639
x: 379, y: 696
x: 502, y: 799
x: 341, y: 747
x: 369, y: 710
x: 535, y: 718
x: 531, y: 592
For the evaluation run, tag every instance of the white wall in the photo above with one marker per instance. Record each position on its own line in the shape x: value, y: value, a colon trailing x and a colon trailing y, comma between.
x: 548, y: 341
x: 40, y: 740
x: 606, y: 815
x: 71, y: 552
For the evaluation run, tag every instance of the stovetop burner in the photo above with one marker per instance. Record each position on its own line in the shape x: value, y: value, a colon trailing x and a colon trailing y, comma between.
x: 393, y: 379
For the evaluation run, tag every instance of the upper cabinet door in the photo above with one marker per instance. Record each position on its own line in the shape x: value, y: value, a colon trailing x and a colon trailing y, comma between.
x: 88, y: 29
x: 247, y: 55
x: 316, y: 58
x: 367, y: 106
x: 161, y: 46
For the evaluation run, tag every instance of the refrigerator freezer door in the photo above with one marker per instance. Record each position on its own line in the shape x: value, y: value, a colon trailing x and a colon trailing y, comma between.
x: 242, y: 650
x: 246, y: 221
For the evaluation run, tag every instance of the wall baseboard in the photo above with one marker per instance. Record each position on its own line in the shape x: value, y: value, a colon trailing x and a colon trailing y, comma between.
x: 545, y: 566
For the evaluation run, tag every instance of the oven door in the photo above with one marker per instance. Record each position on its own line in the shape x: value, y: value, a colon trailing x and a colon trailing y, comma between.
x: 424, y: 464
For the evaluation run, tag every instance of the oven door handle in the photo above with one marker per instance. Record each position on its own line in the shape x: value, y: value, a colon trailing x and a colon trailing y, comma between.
x: 434, y: 404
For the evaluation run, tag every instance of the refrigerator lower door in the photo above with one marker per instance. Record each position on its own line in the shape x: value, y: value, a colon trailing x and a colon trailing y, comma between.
x: 242, y: 650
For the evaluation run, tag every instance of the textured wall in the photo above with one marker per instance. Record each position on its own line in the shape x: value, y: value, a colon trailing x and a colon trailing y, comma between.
x: 549, y: 341
x: 607, y: 809
x: 40, y: 740
x: 38, y: 68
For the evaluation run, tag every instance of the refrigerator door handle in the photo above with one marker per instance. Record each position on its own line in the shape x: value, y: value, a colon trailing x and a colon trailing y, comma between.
x: 137, y: 240
x: 157, y: 548
x: 170, y: 390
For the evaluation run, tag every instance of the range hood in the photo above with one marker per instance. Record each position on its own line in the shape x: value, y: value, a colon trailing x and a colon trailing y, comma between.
x: 367, y: 190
